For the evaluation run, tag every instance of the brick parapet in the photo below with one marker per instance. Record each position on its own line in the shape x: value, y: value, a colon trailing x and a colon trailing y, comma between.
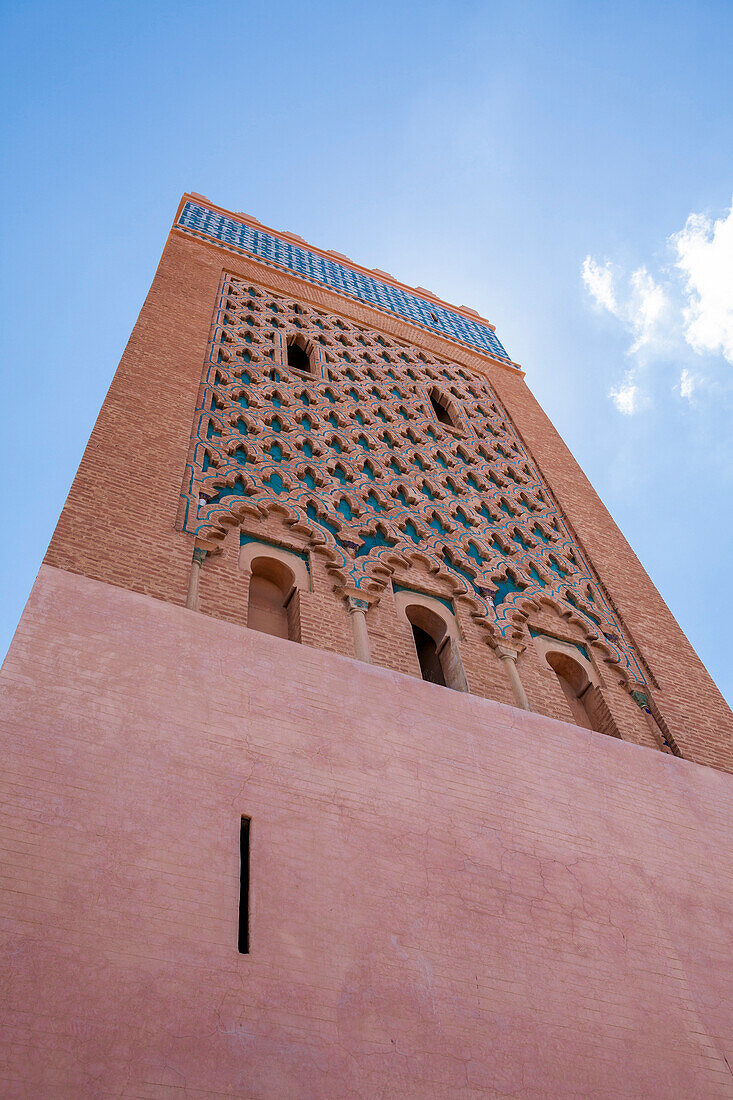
x: 449, y: 896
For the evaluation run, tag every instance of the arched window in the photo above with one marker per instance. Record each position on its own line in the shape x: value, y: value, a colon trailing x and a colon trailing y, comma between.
x: 297, y: 352
x: 440, y: 408
x: 577, y: 689
x: 427, y: 654
x: 580, y: 683
x: 437, y: 651
x: 271, y: 607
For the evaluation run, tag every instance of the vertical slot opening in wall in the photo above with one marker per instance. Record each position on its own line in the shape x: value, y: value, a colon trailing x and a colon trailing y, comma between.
x: 243, y: 938
x: 427, y: 655
x: 298, y: 354
x: 440, y: 407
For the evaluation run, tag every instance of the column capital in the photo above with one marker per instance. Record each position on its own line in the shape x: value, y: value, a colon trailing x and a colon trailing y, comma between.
x: 505, y: 652
x: 360, y: 600
x: 357, y: 617
x: 639, y: 693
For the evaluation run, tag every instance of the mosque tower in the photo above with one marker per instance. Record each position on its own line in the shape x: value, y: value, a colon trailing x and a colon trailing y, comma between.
x: 350, y: 750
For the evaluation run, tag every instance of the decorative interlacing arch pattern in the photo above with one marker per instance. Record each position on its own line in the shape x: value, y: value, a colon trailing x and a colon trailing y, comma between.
x: 353, y: 456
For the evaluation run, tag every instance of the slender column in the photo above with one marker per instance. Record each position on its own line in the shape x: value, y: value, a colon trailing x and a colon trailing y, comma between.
x: 197, y: 563
x: 509, y: 660
x: 357, y: 614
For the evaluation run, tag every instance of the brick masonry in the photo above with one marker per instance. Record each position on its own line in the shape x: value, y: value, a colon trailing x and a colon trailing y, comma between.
x: 450, y: 897
x: 142, y: 442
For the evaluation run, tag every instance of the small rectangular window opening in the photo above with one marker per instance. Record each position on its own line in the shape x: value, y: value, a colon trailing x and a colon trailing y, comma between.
x: 243, y: 942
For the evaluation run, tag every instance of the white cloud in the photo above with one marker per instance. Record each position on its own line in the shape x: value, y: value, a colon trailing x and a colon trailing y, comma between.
x: 705, y: 258
x: 687, y: 305
x: 599, y: 281
x: 626, y: 396
x: 642, y: 305
x: 646, y: 310
x: 687, y: 384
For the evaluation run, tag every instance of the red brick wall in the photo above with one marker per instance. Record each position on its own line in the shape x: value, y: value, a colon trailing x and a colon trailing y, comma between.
x: 119, y: 522
x: 324, y: 623
x: 696, y: 712
x: 450, y: 897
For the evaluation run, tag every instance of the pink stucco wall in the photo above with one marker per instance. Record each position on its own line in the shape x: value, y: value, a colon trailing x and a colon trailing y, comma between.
x: 450, y: 897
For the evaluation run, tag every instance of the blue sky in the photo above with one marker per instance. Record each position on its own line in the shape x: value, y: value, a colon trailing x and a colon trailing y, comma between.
x: 539, y: 162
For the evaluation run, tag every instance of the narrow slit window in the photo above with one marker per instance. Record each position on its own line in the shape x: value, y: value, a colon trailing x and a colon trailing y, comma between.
x: 243, y: 939
x: 436, y: 651
x: 427, y: 655
x: 298, y: 357
x: 576, y: 687
x: 440, y: 409
x: 272, y: 606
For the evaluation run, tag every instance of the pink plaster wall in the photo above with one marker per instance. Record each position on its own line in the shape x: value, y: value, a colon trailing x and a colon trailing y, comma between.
x: 450, y: 897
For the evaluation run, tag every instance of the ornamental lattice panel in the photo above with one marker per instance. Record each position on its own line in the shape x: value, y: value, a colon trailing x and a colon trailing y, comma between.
x: 356, y: 459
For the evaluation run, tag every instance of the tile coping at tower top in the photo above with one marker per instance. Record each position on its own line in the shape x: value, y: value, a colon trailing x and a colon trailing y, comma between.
x: 465, y: 317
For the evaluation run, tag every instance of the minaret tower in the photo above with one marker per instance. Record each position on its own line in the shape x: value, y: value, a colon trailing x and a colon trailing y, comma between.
x: 351, y: 749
